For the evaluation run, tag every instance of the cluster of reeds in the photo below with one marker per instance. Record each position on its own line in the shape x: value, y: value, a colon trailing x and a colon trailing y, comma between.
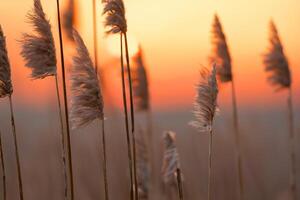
x: 87, y: 104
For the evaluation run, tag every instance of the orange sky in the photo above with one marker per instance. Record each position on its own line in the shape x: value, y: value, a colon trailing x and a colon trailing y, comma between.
x: 175, y: 35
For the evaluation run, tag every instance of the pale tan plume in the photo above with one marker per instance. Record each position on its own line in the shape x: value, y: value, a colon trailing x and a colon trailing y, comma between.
x: 38, y: 49
x: 275, y: 61
x: 205, y: 104
x: 86, y: 97
x: 140, y: 83
x: 170, y: 159
x: 220, y: 51
x: 6, y: 87
x: 115, y: 20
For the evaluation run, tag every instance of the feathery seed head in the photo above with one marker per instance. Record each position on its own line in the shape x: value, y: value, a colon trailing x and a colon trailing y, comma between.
x: 86, y: 101
x: 220, y: 53
x: 171, y: 158
x: 115, y: 19
x: 275, y: 61
x: 140, y: 83
x: 205, y: 104
x: 6, y: 88
x: 38, y: 49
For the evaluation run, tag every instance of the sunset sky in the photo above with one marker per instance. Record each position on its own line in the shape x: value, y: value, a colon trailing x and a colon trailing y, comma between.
x: 175, y: 36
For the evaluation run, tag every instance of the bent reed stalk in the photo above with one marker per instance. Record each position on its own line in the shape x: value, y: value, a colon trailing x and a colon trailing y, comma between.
x: 62, y: 138
x: 126, y: 120
x: 16, y: 148
x: 65, y: 100
x: 132, y: 117
x: 3, y: 171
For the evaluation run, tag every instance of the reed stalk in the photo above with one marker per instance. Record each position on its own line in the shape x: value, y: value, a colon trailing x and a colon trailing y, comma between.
x: 106, y: 194
x: 16, y: 148
x: 293, y: 173
x: 210, y: 164
x: 2, y: 168
x: 132, y: 117
x: 126, y: 120
x: 237, y: 138
x: 95, y: 34
x: 65, y: 101
x: 179, y: 182
x: 62, y: 138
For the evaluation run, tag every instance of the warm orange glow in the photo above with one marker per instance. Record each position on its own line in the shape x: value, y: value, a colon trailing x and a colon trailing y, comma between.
x: 113, y: 45
x: 175, y: 36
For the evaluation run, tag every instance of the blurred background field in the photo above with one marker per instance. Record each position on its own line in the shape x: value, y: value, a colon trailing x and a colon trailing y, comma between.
x: 175, y: 36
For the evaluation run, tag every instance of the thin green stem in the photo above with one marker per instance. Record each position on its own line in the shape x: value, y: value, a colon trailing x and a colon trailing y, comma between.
x: 2, y: 168
x: 16, y: 148
x: 65, y: 101
x: 126, y: 120
x: 62, y: 140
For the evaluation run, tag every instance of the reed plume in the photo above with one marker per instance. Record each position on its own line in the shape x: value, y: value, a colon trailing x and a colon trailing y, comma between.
x: 221, y: 56
x: 275, y: 61
x: 276, y: 65
x: 142, y: 165
x: 38, y: 51
x: 140, y: 83
x: 6, y: 89
x: 69, y: 149
x: 87, y: 102
x: 205, y: 107
x: 220, y: 53
x: 69, y: 19
x: 171, y: 170
x: 116, y: 23
x: 3, y: 171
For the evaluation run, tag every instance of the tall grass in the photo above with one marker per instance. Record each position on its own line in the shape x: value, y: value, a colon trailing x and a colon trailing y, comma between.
x: 3, y: 171
x: 116, y: 23
x: 221, y: 56
x: 204, y: 110
x: 69, y: 148
x: 171, y: 171
x: 277, y: 66
x: 6, y: 89
x: 87, y: 101
x: 44, y: 63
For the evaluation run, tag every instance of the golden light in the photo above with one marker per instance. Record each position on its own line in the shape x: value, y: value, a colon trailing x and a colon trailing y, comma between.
x: 113, y: 45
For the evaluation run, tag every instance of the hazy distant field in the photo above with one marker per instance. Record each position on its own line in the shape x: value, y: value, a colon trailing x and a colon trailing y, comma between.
x: 265, y: 149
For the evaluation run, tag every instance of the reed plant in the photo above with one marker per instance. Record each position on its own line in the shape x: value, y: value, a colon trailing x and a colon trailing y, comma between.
x: 116, y: 23
x: 38, y: 51
x: 3, y: 171
x: 205, y: 107
x: 277, y: 66
x: 6, y: 89
x: 221, y: 56
x: 171, y: 170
